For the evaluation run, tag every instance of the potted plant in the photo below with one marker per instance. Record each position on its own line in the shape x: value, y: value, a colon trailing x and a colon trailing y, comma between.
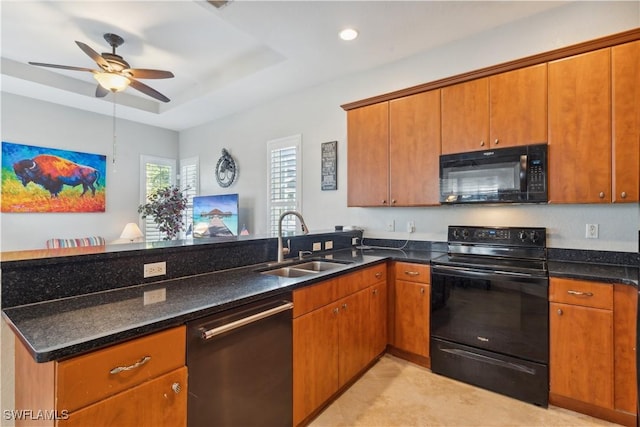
x: 165, y: 205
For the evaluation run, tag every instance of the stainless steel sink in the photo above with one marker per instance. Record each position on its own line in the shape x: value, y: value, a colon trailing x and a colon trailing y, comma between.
x: 304, y: 269
x: 289, y: 272
x: 318, y: 265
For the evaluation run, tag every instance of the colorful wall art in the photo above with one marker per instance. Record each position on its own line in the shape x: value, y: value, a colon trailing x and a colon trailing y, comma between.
x: 40, y: 179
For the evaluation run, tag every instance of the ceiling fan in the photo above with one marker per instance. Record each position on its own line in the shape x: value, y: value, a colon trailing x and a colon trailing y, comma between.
x: 115, y: 74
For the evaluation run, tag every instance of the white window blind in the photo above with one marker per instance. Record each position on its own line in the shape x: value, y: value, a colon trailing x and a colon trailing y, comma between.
x: 189, y: 184
x: 157, y: 172
x: 284, y: 181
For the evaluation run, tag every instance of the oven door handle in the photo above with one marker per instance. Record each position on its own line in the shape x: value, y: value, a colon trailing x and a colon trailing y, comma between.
x: 484, y: 274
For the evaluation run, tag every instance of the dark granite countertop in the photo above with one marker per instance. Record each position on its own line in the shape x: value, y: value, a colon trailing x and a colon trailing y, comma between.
x: 608, y: 273
x: 67, y: 327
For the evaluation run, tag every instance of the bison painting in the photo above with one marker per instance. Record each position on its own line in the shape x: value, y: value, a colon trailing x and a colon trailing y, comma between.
x: 52, y: 172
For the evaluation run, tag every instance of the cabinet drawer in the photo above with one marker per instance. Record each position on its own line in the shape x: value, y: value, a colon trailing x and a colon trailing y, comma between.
x: 581, y: 292
x: 412, y: 272
x: 315, y: 296
x: 358, y: 280
x: 91, y: 377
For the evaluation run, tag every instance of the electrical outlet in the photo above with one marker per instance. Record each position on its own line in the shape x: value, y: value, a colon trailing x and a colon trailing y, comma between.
x: 155, y: 269
x: 317, y: 246
x: 391, y: 225
x: 328, y: 245
x: 411, y: 226
x: 154, y: 296
x: 354, y: 241
x: 591, y: 231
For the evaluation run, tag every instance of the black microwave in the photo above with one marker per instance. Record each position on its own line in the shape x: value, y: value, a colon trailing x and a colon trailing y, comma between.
x: 503, y: 175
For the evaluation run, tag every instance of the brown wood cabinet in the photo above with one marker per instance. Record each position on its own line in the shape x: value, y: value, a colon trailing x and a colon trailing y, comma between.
x: 411, y: 311
x: 580, y: 128
x: 592, y: 349
x: 504, y: 110
x: 91, y: 390
x: 625, y: 69
x: 334, y: 335
x: 394, y: 152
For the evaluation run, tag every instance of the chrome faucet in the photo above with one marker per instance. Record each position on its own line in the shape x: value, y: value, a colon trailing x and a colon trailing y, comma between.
x: 305, y: 230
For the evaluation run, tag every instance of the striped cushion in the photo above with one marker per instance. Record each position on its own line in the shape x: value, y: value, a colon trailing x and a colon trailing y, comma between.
x: 72, y: 243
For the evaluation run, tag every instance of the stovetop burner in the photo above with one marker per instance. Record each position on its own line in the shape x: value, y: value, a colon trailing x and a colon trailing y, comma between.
x: 514, y: 249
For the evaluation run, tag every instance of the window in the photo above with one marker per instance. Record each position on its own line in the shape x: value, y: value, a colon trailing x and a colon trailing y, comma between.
x: 189, y: 184
x: 284, y: 180
x: 157, y: 172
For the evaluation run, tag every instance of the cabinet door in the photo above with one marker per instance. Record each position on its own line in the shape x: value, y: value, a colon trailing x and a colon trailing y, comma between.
x: 580, y: 128
x: 412, y: 317
x: 315, y: 360
x: 581, y: 353
x: 518, y: 107
x: 159, y: 402
x: 414, y: 149
x: 353, y: 341
x: 368, y: 155
x: 465, y: 116
x: 626, y: 122
x: 377, y: 319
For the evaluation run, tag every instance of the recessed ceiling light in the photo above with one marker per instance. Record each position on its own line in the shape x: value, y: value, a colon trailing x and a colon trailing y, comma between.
x: 348, y: 34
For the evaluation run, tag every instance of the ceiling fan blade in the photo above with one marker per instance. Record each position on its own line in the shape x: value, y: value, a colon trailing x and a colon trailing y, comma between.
x: 64, y: 67
x: 94, y: 55
x: 101, y: 92
x: 148, y: 90
x: 142, y: 73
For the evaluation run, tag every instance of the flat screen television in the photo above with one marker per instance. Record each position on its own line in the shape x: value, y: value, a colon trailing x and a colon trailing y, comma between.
x: 215, y: 216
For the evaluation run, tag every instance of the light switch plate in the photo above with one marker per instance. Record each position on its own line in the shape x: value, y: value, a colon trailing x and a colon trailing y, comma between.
x: 328, y: 245
x: 317, y: 246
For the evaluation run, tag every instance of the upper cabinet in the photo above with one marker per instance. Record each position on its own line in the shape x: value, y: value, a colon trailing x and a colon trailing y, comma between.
x: 518, y: 107
x: 503, y: 110
x: 368, y: 155
x: 394, y: 152
x: 580, y: 128
x: 465, y: 116
x: 625, y: 66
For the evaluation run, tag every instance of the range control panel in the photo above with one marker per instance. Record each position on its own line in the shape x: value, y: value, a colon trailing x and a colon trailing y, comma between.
x: 507, y: 236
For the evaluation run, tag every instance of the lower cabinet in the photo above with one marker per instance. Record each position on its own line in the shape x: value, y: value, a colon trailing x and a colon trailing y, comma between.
x: 339, y: 328
x: 410, y: 305
x: 142, y: 382
x: 592, y: 348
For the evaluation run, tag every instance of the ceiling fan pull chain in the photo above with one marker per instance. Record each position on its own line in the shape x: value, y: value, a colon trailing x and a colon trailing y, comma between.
x: 114, y: 128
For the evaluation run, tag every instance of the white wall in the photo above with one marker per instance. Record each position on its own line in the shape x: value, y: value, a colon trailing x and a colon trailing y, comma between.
x: 33, y: 122
x: 316, y: 114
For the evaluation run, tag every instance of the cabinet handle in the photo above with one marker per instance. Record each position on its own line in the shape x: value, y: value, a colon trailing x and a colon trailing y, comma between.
x: 344, y: 306
x: 482, y: 143
x: 623, y: 194
x: 560, y: 312
x: 139, y: 363
x: 497, y: 141
x: 336, y: 310
x: 384, y: 202
x: 422, y: 291
x: 412, y: 273
x: 176, y: 387
x: 378, y: 275
x: 375, y: 291
x: 601, y: 195
x: 580, y: 293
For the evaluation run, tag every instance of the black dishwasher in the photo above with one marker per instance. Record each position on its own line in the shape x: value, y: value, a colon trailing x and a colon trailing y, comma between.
x: 240, y: 366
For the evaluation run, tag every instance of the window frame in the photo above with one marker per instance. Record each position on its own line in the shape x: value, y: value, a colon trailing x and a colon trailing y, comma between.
x: 147, y: 226
x: 280, y: 144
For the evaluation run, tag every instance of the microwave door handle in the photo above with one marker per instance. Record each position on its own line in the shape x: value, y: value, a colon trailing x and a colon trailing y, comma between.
x: 523, y: 173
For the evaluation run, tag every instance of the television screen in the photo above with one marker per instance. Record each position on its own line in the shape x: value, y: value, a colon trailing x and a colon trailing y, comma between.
x: 215, y: 216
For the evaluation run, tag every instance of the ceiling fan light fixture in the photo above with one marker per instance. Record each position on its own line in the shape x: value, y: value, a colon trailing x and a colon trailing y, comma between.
x: 112, y: 82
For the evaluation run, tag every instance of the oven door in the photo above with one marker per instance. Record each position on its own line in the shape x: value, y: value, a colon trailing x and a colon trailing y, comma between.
x: 503, y: 312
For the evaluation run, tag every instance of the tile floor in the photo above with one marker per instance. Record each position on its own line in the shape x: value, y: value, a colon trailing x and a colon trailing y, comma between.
x: 398, y: 393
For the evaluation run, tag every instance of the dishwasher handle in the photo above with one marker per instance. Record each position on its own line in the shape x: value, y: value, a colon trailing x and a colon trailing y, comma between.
x: 210, y: 333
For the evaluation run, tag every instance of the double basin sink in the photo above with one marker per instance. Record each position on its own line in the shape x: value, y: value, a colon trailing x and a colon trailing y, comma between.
x: 305, y: 268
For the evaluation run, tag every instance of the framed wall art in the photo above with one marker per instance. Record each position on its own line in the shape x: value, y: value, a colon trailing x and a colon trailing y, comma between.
x: 40, y: 179
x: 329, y: 167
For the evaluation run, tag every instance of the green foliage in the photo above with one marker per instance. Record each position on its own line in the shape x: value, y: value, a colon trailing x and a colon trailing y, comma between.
x: 165, y: 205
